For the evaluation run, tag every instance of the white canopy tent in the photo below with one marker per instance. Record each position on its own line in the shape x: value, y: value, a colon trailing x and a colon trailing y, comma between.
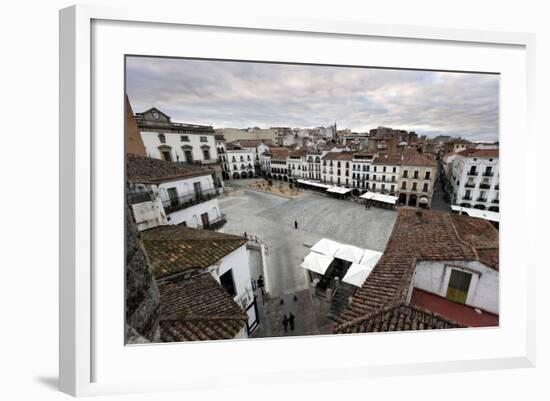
x: 326, y: 247
x: 350, y: 253
x: 481, y: 214
x: 357, y: 274
x: 316, y: 262
x: 370, y: 258
x: 339, y: 190
x: 379, y: 197
x: 314, y: 184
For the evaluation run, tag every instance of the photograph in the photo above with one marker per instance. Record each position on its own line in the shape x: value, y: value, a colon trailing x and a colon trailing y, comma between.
x: 273, y: 199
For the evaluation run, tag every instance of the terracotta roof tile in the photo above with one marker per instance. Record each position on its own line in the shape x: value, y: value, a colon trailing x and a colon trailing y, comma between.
x: 146, y: 170
x: 173, y: 249
x: 338, y: 156
x: 198, y: 308
x: 480, y: 153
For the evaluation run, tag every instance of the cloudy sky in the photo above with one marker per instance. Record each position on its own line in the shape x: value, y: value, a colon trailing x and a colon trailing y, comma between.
x: 241, y: 95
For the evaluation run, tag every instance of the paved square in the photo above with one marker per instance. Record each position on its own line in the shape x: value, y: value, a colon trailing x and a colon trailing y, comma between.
x: 271, y: 218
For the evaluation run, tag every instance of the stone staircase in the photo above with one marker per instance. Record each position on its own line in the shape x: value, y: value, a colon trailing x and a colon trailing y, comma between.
x: 340, y: 300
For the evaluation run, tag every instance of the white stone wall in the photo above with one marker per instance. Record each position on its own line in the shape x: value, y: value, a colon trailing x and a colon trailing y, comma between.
x: 173, y: 140
x: 186, y: 187
x: 192, y: 215
x: 238, y: 262
x: 484, y: 286
x: 248, y: 160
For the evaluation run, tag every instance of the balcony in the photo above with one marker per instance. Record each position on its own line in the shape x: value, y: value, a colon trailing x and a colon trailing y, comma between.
x: 472, y: 173
x: 485, y: 186
x: 494, y: 201
x: 480, y: 199
x: 467, y: 198
x: 182, y: 202
x: 470, y: 185
x: 488, y: 174
x: 218, y: 222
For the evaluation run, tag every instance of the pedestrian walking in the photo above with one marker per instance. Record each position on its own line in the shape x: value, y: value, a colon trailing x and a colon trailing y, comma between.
x: 291, y: 321
x: 285, y: 323
x: 295, y: 225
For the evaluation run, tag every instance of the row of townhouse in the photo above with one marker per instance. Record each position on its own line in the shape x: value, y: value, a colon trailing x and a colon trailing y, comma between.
x: 175, y: 210
x: 472, y: 178
x: 410, y: 175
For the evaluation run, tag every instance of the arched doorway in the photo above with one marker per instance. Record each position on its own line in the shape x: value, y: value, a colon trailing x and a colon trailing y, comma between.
x: 465, y: 205
x: 236, y: 175
x: 250, y: 174
x: 243, y: 174
x: 412, y: 200
x: 493, y: 209
x: 480, y: 207
x: 402, y: 199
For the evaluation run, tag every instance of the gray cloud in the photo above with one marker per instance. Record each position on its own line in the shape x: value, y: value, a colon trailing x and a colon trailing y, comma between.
x: 241, y: 94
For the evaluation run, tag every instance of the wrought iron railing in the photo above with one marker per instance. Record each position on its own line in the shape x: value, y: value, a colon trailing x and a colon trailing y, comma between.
x: 184, y: 201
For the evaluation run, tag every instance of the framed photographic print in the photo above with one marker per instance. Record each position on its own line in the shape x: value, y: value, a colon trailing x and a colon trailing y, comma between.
x: 342, y: 193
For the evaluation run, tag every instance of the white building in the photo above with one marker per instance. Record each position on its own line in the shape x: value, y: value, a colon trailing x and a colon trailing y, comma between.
x: 361, y: 169
x: 297, y: 164
x: 475, y: 179
x: 241, y: 162
x: 174, y: 193
x: 337, y: 168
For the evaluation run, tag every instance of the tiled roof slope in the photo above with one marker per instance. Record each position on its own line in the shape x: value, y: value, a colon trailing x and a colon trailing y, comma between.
x: 198, y: 308
x: 173, y: 249
x: 431, y: 235
x: 416, y: 159
x: 397, y: 317
x: 146, y: 170
x: 338, y: 156
x: 479, y: 153
x: 279, y: 153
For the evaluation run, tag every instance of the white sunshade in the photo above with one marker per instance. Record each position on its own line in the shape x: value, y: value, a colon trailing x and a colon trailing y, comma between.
x: 316, y: 262
x: 326, y: 247
x: 379, y: 197
x: 481, y: 214
x: 357, y: 274
x: 370, y: 258
x: 350, y: 253
x: 313, y: 183
x: 339, y: 190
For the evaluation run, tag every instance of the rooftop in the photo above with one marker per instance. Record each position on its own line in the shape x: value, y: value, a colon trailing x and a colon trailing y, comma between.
x: 252, y: 143
x: 398, y: 317
x: 279, y: 153
x: 198, y: 308
x: 416, y: 159
x: 493, y: 153
x: 430, y: 235
x: 173, y: 249
x: 146, y: 170
x: 338, y: 156
x: 463, y: 314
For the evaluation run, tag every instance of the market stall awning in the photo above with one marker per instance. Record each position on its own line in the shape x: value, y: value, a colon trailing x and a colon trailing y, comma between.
x: 379, y: 197
x: 316, y: 262
x: 481, y: 214
x: 350, y: 253
x: 370, y: 258
x: 313, y: 183
x: 339, y: 190
x: 357, y: 274
x: 326, y: 247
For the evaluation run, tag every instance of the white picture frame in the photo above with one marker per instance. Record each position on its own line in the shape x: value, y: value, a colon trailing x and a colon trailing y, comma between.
x: 86, y: 361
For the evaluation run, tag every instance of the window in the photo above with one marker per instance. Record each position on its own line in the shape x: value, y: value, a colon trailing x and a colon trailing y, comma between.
x: 405, y: 173
x: 197, y: 188
x: 425, y: 187
x: 394, y: 169
x: 206, y: 154
x: 162, y: 138
x: 226, y: 280
x: 204, y: 139
x: 384, y: 169
x: 166, y: 155
x: 404, y: 185
x: 184, y: 138
x: 188, y: 156
x: 393, y: 188
x: 414, y: 186
x: 427, y: 176
x: 374, y: 186
x: 415, y: 174
x: 459, y: 284
x: 173, y: 196
x: 204, y: 220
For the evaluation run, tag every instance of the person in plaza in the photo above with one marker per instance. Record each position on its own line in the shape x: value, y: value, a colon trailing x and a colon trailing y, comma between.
x: 285, y: 323
x: 291, y: 321
x: 295, y: 224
